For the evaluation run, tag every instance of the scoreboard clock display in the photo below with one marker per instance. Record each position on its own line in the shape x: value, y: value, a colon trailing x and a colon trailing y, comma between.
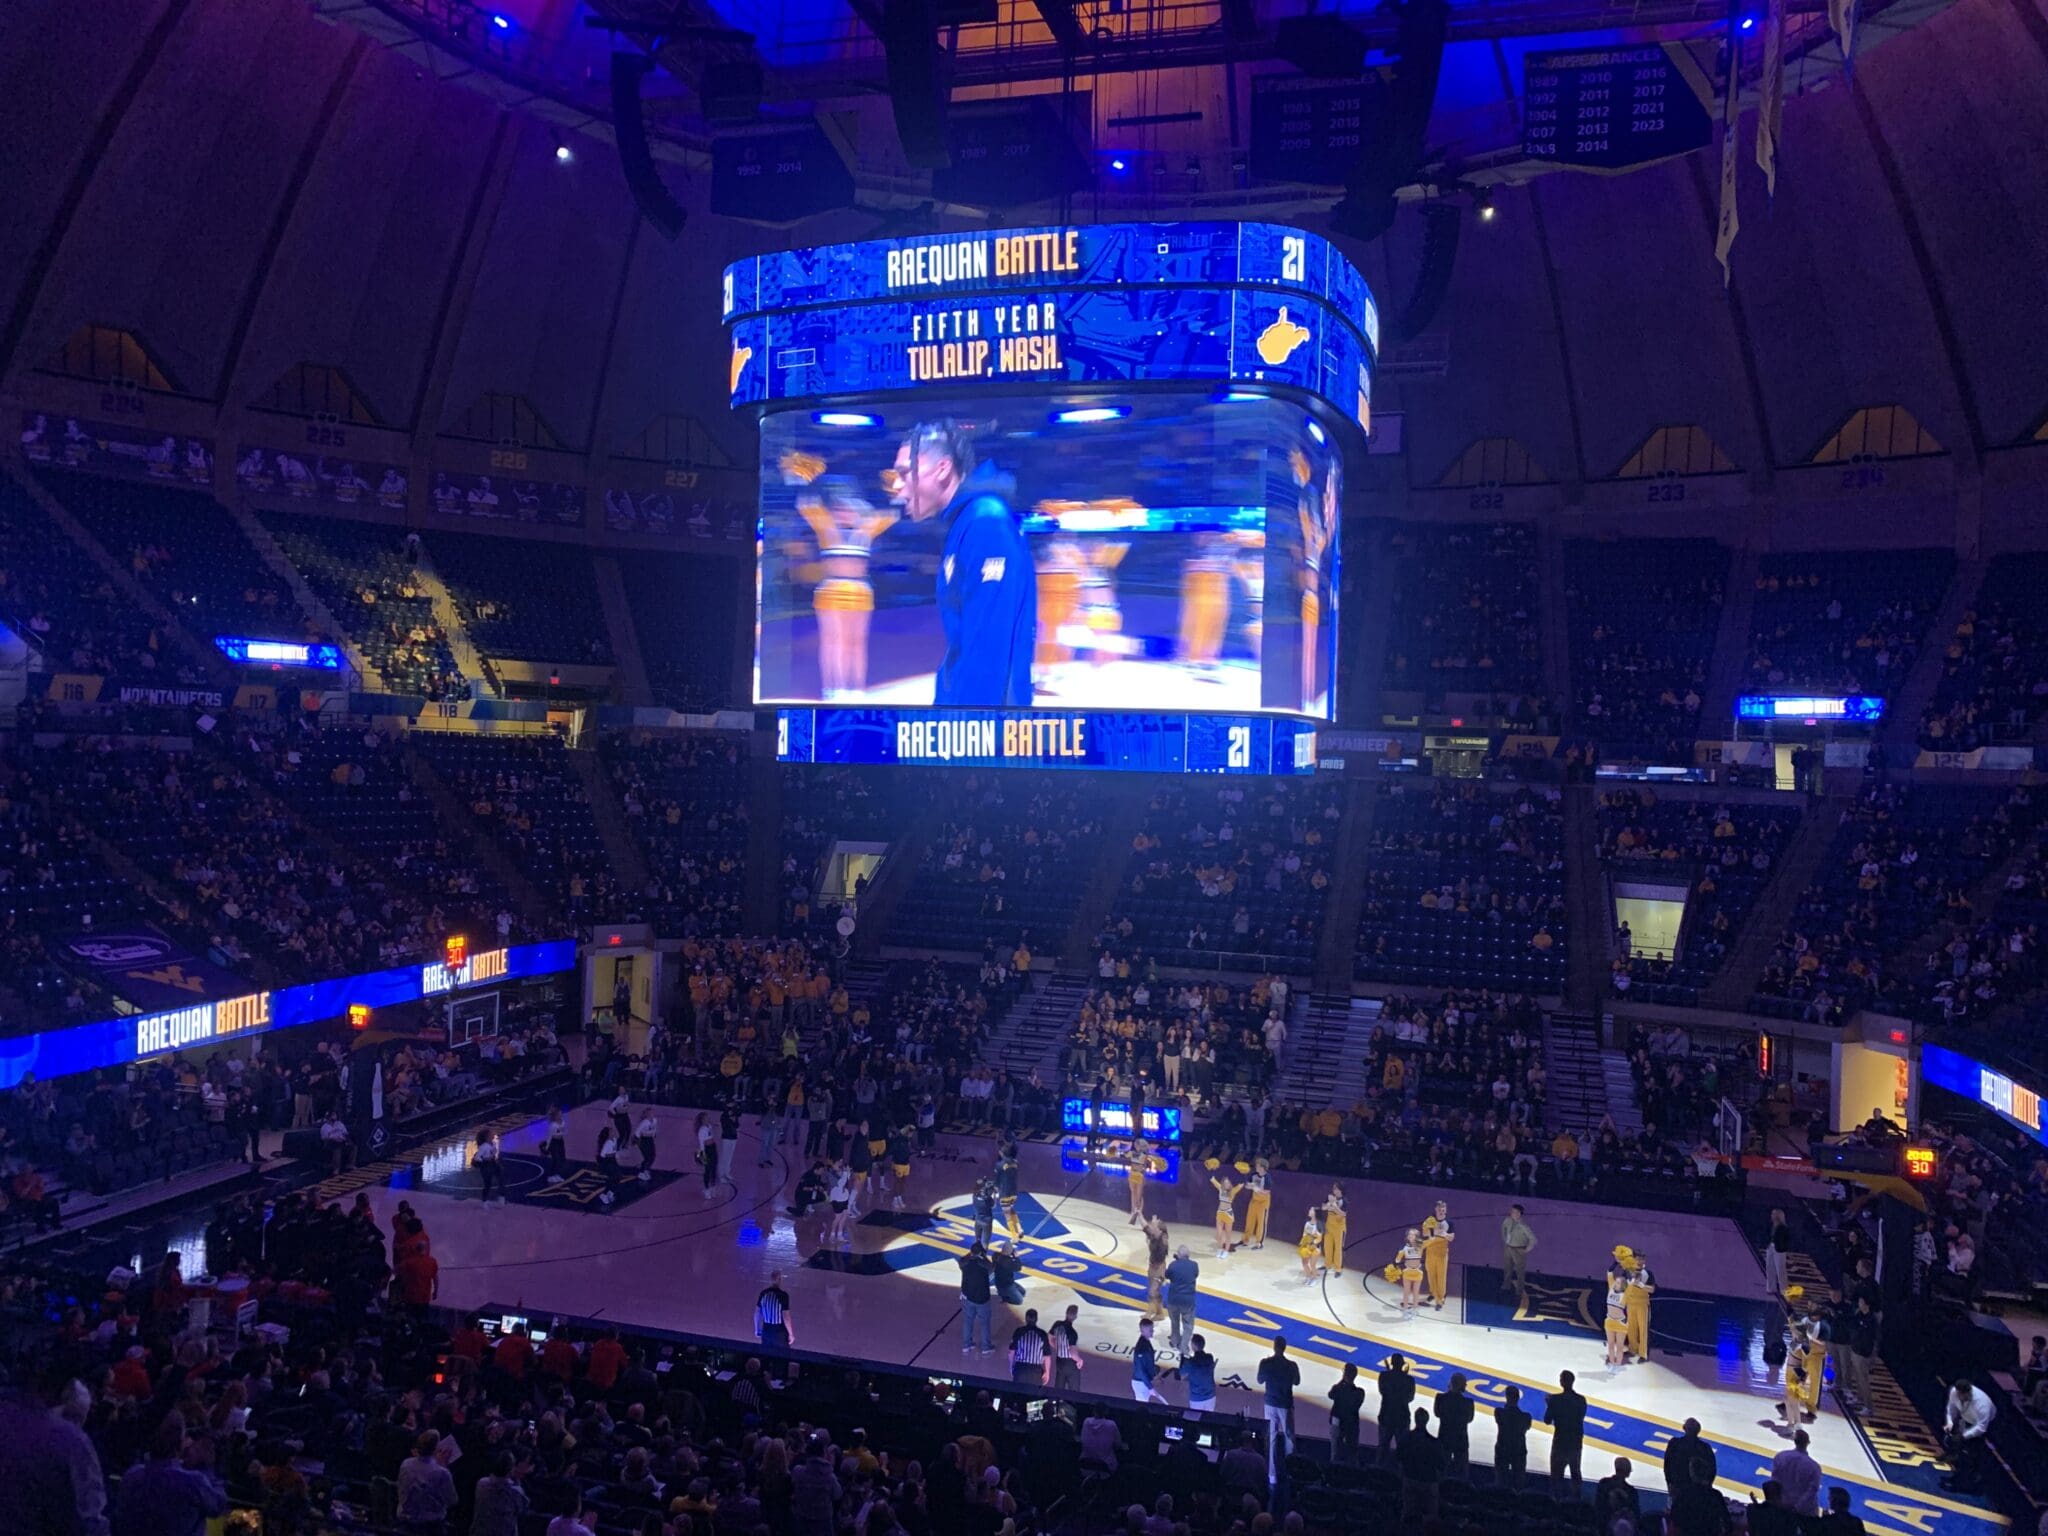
x: 1610, y: 109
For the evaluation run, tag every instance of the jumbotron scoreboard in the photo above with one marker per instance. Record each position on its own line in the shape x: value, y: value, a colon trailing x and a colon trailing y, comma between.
x: 1053, y: 497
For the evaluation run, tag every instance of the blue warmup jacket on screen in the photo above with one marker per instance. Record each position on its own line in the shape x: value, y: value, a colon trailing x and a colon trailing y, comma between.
x: 988, y: 597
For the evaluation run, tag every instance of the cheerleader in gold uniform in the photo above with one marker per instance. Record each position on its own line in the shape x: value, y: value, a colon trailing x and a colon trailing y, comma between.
x: 1257, y: 1205
x: 1318, y: 528
x: 1407, y: 1267
x: 1249, y: 567
x: 1204, y: 603
x: 1333, y: 1230
x: 1805, y: 1366
x: 1617, y: 1321
x: 1226, y: 1211
x: 1437, y: 1238
x: 1134, y: 1172
x: 846, y: 529
x: 1310, y: 1248
x: 1059, y: 597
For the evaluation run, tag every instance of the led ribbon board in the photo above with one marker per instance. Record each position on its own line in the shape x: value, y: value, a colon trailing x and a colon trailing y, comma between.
x: 137, y: 1037
x: 1249, y: 303
x: 1143, y: 743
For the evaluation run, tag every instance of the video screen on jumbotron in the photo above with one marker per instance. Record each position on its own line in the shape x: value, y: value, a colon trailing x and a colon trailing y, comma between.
x: 1108, y: 551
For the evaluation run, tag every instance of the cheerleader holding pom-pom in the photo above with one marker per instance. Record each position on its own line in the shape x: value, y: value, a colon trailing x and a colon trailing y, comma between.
x: 1311, y: 1248
x: 1617, y: 1321
x: 1407, y: 1267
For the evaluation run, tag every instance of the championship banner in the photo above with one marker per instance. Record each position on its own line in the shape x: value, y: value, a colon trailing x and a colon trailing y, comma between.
x: 1770, y: 114
x: 1731, y: 220
x: 333, y: 481
x: 108, y: 448
x: 664, y: 512
x: 507, y: 500
x: 146, y: 967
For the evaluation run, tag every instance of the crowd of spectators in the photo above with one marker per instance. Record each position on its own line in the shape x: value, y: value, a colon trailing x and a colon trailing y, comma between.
x: 1464, y: 885
x: 1843, y: 623
x: 367, y: 577
x: 820, y: 804
x: 686, y: 803
x: 1905, y: 859
x: 1987, y: 1212
x: 526, y: 601
x: 58, y: 598
x: 1724, y: 853
x: 187, y: 552
x: 1679, y: 1087
x: 1195, y: 1042
x: 1465, y: 612
x: 685, y: 617
x: 352, y: 785
x: 235, y: 869
x: 1643, y: 616
x: 526, y: 797
x: 1007, y: 865
x: 1994, y: 679
x: 52, y: 886
x: 1230, y: 874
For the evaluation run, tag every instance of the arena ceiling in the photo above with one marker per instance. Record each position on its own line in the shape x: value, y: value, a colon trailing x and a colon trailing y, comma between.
x: 250, y: 185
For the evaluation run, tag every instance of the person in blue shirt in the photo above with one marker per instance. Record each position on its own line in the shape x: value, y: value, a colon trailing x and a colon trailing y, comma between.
x: 1198, y: 1369
x: 171, y: 1493
x: 1279, y: 1376
x: 988, y: 584
x: 1145, y: 1366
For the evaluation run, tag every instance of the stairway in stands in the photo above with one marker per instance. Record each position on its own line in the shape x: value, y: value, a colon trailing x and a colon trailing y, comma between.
x: 1324, y: 1062
x: 1586, y: 1079
x: 1030, y: 1035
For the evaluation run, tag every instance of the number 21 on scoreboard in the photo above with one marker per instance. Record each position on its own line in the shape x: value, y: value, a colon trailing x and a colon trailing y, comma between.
x: 1240, y: 751
x: 1293, y: 259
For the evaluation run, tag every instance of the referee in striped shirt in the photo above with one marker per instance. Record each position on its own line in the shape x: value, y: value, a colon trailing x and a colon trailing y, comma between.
x: 1031, y: 1352
x: 771, y: 1314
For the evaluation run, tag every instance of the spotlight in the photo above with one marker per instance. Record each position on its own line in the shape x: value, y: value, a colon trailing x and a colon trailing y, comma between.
x: 501, y: 22
x: 845, y: 419
x: 1483, y: 200
x: 563, y: 155
x: 1316, y: 432
x: 1119, y: 164
x: 1090, y: 414
x: 1748, y: 22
